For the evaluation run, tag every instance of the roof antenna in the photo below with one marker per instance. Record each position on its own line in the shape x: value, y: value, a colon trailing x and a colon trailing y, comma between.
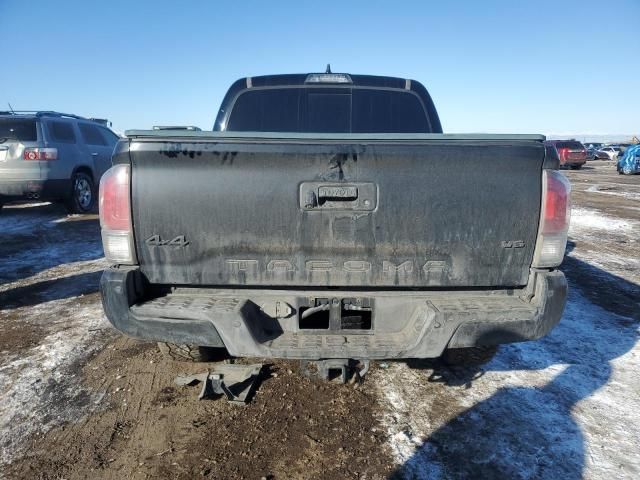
x: 10, y: 108
x: 328, y: 70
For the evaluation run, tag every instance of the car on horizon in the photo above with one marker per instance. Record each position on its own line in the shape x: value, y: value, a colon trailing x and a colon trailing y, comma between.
x: 53, y: 156
x: 611, y: 151
x: 571, y: 153
x: 623, y: 146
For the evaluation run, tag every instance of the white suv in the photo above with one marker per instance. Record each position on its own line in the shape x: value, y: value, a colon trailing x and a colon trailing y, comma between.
x: 611, y: 151
x: 53, y: 156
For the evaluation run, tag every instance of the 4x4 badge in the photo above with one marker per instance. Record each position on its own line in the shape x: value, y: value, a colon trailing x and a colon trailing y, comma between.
x: 156, y: 241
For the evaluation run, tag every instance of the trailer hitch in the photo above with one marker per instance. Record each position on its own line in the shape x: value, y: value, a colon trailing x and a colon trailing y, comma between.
x: 340, y: 370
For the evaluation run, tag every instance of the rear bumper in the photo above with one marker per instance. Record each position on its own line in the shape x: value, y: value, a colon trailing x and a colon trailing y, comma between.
x: 573, y: 163
x: 17, y: 190
x: 264, y: 323
x: 11, y: 190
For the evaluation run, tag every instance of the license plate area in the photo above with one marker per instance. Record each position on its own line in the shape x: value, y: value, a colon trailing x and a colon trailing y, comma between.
x: 329, y: 315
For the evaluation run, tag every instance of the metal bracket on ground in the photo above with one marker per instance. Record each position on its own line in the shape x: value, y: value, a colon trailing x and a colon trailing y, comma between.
x: 233, y: 381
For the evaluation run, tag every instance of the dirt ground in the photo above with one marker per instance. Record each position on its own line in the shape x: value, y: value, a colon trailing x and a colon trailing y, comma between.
x: 78, y: 400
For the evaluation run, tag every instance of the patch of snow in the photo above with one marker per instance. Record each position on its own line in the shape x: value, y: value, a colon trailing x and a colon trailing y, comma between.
x: 23, y: 224
x: 60, y: 272
x: 605, y: 242
x: 66, y: 219
x: 48, y: 247
x: 28, y: 218
x: 38, y: 388
x: 26, y: 205
x: 606, y: 191
x: 559, y: 407
x: 582, y: 218
x: 49, y: 256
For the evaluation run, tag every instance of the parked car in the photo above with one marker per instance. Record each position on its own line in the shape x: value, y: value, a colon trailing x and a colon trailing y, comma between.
x: 629, y: 162
x: 571, y: 153
x: 598, y: 155
x: 611, y: 151
x: 593, y: 154
x: 593, y: 151
x: 623, y: 147
x: 53, y: 156
x: 327, y: 218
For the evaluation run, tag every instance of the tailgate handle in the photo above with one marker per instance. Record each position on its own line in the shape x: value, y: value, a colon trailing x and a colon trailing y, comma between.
x: 337, y: 194
x: 325, y: 196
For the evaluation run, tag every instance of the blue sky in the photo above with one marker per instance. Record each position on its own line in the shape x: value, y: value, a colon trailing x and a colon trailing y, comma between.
x: 491, y: 66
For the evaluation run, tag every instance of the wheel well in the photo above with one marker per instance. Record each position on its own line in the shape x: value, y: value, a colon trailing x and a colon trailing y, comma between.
x: 84, y: 169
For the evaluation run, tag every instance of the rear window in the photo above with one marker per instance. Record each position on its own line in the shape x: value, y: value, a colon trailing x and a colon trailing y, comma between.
x: 328, y: 110
x: 21, y: 129
x: 62, y: 132
x: 267, y: 111
x: 379, y: 111
x: 570, y: 145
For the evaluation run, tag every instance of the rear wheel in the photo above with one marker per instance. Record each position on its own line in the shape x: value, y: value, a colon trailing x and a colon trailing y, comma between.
x: 576, y: 167
x: 82, y: 197
x: 469, y: 356
x: 193, y: 353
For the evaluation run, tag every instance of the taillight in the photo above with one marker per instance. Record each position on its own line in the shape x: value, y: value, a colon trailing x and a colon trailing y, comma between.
x: 554, y: 220
x: 36, y: 153
x: 115, y: 215
x: 562, y: 153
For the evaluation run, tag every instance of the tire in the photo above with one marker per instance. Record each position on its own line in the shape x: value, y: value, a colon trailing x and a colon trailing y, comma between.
x: 193, y: 353
x: 469, y: 356
x: 576, y: 167
x: 83, y: 194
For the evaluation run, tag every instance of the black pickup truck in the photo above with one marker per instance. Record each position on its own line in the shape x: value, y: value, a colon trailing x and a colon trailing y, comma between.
x: 327, y: 216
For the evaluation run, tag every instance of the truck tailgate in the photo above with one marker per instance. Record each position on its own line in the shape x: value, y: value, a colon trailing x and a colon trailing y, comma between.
x: 355, y: 211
